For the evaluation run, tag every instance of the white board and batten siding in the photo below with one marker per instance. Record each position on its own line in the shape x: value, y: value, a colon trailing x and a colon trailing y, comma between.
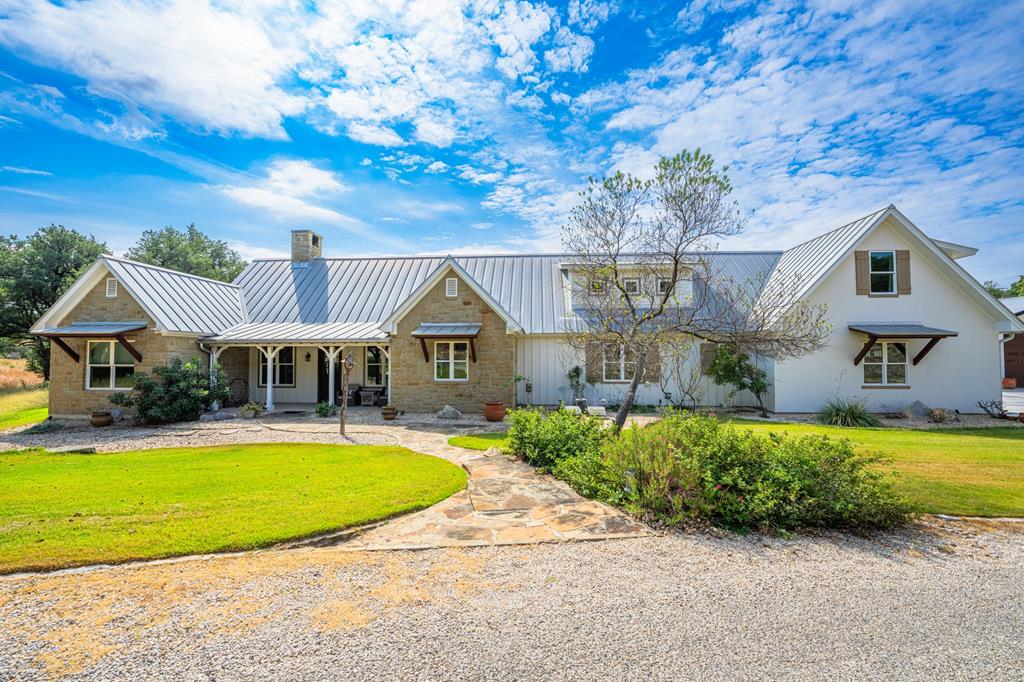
x: 545, y: 361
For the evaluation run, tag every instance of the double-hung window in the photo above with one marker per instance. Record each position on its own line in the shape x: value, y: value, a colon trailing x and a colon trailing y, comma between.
x: 376, y: 367
x: 284, y: 368
x: 110, y: 367
x: 886, y: 364
x: 451, y: 360
x: 616, y: 364
x: 882, y: 272
x: 631, y: 285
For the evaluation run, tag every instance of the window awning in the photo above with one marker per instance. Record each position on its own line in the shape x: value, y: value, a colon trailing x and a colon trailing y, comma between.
x: 93, y: 330
x: 899, y: 331
x: 448, y: 330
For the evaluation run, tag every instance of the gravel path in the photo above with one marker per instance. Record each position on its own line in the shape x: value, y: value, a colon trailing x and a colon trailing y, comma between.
x: 943, y: 601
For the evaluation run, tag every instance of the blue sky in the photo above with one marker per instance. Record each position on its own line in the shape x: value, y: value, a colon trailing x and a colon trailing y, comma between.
x: 468, y: 127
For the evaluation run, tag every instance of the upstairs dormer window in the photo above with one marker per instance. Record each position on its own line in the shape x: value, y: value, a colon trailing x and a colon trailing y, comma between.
x: 882, y: 272
x: 631, y: 285
x: 111, y: 287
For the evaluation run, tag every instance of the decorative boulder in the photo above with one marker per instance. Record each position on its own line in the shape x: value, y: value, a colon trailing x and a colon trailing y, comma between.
x: 448, y: 412
x: 917, y: 409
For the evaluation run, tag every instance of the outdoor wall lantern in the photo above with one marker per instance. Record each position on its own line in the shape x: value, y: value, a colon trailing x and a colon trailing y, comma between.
x: 308, y: 356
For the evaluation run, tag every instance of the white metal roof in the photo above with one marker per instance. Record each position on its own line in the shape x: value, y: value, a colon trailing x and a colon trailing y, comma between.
x: 1014, y: 303
x: 337, y: 332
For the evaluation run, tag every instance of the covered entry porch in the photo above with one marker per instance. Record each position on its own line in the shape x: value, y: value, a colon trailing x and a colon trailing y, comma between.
x: 295, y: 366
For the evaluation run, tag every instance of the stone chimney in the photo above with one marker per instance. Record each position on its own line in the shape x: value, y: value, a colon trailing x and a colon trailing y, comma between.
x: 306, y: 245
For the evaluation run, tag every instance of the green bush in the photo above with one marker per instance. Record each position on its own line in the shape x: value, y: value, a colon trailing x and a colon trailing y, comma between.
x: 839, y: 411
x: 177, y: 392
x: 325, y: 410
x: 543, y: 438
x: 689, y: 467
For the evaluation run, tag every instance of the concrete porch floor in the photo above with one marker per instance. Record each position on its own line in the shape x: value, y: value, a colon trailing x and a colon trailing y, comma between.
x: 1013, y: 401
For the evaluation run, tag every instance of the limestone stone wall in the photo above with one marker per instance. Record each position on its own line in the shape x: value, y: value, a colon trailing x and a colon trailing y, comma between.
x: 68, y: 395
x: 490, y: 377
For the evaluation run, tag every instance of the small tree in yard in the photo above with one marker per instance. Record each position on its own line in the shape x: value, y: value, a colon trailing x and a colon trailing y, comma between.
x: 645, y: 278
x: 734, y: 368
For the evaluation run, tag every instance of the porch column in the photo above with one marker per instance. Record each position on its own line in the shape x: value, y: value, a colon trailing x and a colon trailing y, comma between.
x: 270, y: 352
x: 387, y: 358
x: 332, y: 354
x: 215, y: 352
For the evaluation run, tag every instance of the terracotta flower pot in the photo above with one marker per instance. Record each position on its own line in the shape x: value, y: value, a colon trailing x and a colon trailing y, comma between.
x: 389, y: 412
x: 494, y: 411
x: 99, y: 419
x: 1009, y: 383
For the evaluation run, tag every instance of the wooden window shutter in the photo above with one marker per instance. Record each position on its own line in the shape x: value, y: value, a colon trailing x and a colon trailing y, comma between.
x: 860, y: 259
x: 902, y: 272
x: 652, y: 366
x: 593, y: 362
x: 707, y: 355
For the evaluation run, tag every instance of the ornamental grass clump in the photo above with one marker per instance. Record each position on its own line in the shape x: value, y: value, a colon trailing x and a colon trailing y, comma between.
x: 839, y: 411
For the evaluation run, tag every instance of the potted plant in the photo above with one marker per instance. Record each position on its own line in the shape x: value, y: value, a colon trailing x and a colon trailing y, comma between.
x: 250, y: 410
x: 1009, y: 383
x: 494, y: 410
x: 389, y: 412
x: 101, y: 418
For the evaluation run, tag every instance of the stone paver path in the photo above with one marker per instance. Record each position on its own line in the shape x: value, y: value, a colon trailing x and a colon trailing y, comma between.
x: 506, y: 502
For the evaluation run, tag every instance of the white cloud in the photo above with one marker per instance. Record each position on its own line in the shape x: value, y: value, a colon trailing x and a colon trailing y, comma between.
x: 436, y: 167
x: 24, y: 171
x: 371, y: 134
x: 293, y: 189
x: 572, y: 51
x: 435, y: 131
x: 213, y: 67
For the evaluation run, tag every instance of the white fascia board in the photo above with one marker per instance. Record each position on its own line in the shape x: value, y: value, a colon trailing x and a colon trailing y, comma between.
x: 390, y: 324
x: 73, y: 296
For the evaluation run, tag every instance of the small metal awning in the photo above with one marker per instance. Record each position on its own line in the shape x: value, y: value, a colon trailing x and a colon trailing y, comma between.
x: 447, y: 330
x: 93, y: 330
x: 899, y: 331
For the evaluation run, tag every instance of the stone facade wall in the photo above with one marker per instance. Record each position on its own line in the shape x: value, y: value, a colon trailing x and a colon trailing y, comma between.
x: 68, y: 395
x: 490, y: 377
x: 235, y: 363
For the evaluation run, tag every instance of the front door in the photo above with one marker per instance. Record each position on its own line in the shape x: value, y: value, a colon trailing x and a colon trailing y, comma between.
x: 1014, y: 357
x: 322, y: 380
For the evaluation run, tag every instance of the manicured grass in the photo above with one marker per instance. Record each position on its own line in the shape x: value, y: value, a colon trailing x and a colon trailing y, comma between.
x: 971, y: 472
x: 480, y: 441
x: 60, y: 510
x: 18, y: 408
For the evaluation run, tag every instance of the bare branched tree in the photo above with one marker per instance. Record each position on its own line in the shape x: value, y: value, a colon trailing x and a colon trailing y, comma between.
x: 644, y: 275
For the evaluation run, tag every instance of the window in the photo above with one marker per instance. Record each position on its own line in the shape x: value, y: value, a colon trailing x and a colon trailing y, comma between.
x: 664, y: 285
x: 616, y: 365
x: 596, y: 285
x: 284, y: 368
x: 886, y: 364
x: 631, y: 285
x: 451, y: 361
x: 376, y: 367
x: 451, y: 287
x: 882, y: 272
x: 111, y: 287
x: 110, y: 367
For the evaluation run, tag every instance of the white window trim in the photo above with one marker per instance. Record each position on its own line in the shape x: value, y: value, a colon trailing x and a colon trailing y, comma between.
x: 261, y: 360
x: 451, y: 361
x: 621, y: 364
x: 384, y: 367
x: 451, y: 287
x: 111, y: 287
x: 895, y: 286
x: 626, y: 281
x: 113, y: 368
x: 885, y: 365
x: 667, y: 280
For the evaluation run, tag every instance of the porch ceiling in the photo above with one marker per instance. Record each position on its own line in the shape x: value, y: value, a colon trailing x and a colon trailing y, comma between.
x: 299, y: 333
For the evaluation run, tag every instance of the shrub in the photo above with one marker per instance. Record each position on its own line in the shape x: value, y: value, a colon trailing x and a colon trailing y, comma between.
x: 325, y: 410
x: 177, y: 392
x: 693, y: 467
x: 839, y: 411
x: 542, y: 439
x: 734, y: 367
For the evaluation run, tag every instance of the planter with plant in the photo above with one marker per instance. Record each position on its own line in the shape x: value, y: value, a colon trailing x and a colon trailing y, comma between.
x: 101, y: 418
x: 389, y: 412
x: 250, y: 410
x: 494, y: 410
x: 324, y: 410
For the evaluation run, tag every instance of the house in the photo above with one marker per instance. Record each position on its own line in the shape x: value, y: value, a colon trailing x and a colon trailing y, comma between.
x: 908, y: 324
x: 1013, y: 346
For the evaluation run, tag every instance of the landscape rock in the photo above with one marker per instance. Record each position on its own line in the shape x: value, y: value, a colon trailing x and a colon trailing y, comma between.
x: 219, y: 415
x: 448, y: 412
x: 917, y: 409
x: 73, y: 450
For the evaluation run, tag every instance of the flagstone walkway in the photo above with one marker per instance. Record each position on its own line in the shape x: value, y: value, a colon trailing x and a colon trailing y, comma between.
x: 506, y: 502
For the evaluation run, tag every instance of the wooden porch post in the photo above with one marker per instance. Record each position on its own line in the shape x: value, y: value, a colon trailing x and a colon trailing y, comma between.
x: 269, y: 352
x: 332, y: 354
x: 215, y: 352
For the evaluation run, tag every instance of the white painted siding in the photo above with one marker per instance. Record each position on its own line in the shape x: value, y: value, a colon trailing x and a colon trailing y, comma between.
x: 956, y: 374
x: 546, y: 360
x: 304, y: 390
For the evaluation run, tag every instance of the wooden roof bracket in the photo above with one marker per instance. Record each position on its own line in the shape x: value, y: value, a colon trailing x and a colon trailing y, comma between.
x: 864, y: 351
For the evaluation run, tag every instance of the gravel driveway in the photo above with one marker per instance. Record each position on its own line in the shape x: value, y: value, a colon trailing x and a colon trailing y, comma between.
x: 941, y: 601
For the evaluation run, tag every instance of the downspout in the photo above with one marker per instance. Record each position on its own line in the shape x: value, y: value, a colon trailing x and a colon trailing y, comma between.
x: 1003, y: 338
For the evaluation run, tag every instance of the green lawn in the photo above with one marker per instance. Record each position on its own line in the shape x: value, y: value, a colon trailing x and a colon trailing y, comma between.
x: 971, y: 472
x: 59, y: 510
x: 19, y: 408
x: 480, y: 441
x: 975, y: 472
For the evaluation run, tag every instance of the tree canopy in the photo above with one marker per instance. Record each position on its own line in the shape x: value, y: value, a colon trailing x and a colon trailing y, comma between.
x: 34, y: 272
x: 188, y: 251
x: 1015, y: 289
